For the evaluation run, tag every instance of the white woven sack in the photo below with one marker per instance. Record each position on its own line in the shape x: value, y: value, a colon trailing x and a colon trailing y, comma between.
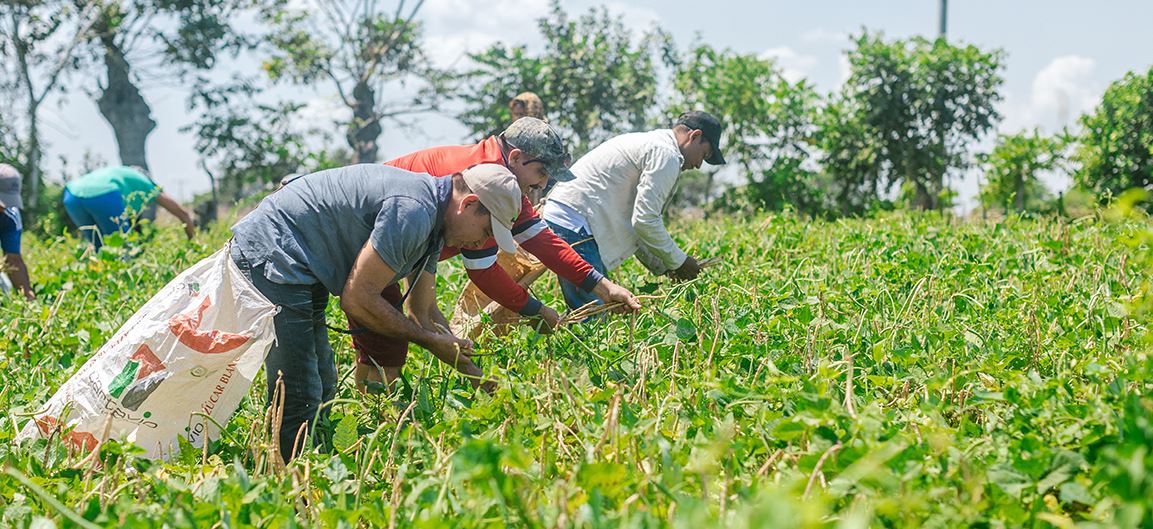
x: 191, y: 351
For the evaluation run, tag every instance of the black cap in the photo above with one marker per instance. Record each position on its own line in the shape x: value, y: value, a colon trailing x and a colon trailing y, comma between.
x: 710, y: 128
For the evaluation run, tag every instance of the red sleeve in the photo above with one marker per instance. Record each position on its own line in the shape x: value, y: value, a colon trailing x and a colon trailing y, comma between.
x: 495, y: 282
x: 532, y: 234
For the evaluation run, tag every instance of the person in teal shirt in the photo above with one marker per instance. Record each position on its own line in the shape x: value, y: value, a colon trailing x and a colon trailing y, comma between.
x: 107, y: 200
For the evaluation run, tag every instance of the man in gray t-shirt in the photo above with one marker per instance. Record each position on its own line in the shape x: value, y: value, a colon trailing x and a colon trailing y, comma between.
x: 351, y: 232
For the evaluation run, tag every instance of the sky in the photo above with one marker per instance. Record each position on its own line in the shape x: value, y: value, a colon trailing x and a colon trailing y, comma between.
x: 1060, y: 56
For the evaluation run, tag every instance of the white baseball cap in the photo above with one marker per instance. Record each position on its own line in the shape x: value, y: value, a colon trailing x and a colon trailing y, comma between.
x: 498, y: 190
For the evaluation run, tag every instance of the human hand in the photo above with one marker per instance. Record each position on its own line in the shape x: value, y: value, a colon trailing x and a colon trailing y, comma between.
x: 489, y: 386
x: 476, y: 377
x: 456, y: 352
x: 689, y: 270
x: 548, y: 320
x: 610, y: 292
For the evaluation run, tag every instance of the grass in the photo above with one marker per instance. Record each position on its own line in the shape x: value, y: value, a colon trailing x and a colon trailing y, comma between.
x: 903, y: 371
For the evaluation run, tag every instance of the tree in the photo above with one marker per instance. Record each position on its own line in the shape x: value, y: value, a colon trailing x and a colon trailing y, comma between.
x: 11, y: 148
x: 1115, y: 147
x: 41, y: 38
x: 361, y: 50
x: 768, y: 121
x: 125, y: 40
x: 596, y: 77
x: 920, y: 103
x: 244, y: 142
x: 849, y: 160
x: 1012, y: 169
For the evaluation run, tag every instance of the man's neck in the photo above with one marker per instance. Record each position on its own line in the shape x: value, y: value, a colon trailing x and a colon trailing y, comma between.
x: 681, y: 137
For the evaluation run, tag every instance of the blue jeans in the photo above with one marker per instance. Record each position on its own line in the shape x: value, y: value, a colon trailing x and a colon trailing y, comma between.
x: 97, y: 216
x: 11, y: 227
x: 301, y: 355
x: 585, y: 246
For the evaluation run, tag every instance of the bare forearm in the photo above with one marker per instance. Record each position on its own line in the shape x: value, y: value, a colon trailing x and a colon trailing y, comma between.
x: 19, y: 274
x: 382, y: 318
x: 602, y: 288
x: 437, y: 319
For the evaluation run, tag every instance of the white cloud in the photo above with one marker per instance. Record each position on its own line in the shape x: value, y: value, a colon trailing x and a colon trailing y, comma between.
x: 1065, y: 86
x: 451, y: 51
x: 794, y: 66
x: 495, y: 17
x: 637, y: 19
x: 513, y: 22
x: 1061, y: 91
x: 824, y: 36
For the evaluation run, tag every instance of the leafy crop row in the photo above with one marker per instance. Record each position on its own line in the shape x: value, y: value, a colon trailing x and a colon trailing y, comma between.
x: 901, y: 371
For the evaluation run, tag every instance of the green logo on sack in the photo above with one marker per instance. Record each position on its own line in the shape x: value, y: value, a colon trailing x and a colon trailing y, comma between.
x: 136, y: 381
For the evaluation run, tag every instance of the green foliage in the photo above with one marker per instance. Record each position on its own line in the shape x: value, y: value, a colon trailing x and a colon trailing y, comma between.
x: 37, y: 49
x: 191, y: 34
x: 10, y: 144
x: 367, y: 52
x: 904, y: 371
x: 850, y: 158
x: 694, y: 190
x: 203, y: 32
x: 596, y: 78
x: 244, y: 143
x: 1011, y: 171
x: 912, y: 106
x: 768, y: 121
x: 54, y: 219
x: 122, y: 38
x: 1115, y: 150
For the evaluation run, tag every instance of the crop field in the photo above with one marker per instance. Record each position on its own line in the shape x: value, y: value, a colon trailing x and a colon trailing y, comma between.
x: 904, y: 371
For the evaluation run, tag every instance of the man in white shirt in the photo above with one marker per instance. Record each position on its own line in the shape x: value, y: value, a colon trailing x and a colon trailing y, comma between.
x: 612, y: 209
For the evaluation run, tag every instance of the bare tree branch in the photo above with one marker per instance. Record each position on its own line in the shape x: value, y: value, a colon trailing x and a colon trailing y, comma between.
x: 54, y: 75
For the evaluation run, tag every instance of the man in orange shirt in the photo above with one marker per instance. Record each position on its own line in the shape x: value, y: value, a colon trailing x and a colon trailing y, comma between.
x: 533, y: 151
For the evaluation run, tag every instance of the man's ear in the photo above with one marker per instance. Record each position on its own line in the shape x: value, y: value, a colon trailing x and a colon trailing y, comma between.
x: 468, y: 200
x: 515, y: 155
x: 695, y: 134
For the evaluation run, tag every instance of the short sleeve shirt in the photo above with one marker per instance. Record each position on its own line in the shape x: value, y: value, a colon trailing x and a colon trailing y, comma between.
x: 312, y: 230
x: 136, y: 188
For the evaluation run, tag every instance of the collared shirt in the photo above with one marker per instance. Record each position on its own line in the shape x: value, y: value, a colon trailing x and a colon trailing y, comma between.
x: 529, y: 231
x: 621, y: 189
x: 312, y: 230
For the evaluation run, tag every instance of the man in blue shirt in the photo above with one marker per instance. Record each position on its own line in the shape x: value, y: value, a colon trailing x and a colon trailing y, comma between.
x: 11, y: 229
x: 351, y: 232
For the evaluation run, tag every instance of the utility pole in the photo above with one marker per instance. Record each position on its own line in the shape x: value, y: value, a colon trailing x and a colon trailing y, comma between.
x: 944, y: 18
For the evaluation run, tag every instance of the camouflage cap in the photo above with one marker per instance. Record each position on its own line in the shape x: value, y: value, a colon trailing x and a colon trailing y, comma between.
x: 540, y: 140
